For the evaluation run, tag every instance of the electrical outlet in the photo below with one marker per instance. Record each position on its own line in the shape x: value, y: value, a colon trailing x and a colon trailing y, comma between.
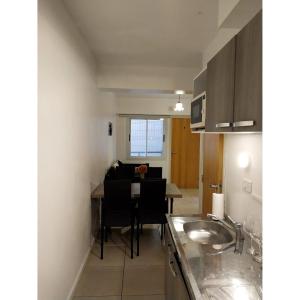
x: 247, y: 185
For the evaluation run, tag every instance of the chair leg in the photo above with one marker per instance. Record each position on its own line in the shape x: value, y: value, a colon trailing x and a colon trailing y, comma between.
x: 137, y: 239
x: 102, y: 239
x: 171, y: 208
x: 161, y: 231
x: 141, y: 228
x: 168, y: 204
x: 106, y: 233
x: 131, y: 238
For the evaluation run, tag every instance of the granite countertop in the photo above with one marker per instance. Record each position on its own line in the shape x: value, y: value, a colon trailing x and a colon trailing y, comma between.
x: 225, y: 276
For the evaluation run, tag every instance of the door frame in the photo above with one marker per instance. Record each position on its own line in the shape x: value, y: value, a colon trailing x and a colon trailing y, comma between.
x: 206, y: 204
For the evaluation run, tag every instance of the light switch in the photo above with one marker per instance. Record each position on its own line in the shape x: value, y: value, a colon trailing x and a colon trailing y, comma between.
x: 247, y: 185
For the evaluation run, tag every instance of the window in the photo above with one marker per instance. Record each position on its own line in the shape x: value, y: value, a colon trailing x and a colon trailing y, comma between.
x: 146, y: 137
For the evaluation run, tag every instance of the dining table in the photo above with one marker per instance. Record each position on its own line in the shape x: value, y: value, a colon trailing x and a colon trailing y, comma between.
x: 172, y: 191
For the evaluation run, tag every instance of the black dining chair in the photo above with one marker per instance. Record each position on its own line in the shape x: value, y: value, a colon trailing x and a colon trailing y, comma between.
x: 125, y: 172
x: 154, y: 172
x: 117, y: 208
x: 152, y: 206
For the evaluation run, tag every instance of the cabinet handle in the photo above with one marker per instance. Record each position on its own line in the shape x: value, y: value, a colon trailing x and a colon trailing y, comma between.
x: 223, y: 125
x: 243, y: 123
x: 171, y: 263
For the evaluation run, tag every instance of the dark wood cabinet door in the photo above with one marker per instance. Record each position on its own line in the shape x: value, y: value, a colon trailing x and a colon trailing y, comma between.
x: 199, y: 84
x: 248, y: 77
x: 220, y: 90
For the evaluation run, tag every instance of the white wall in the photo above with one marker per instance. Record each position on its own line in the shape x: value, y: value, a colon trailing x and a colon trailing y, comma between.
x: 240, y: 204
x: 225, y: 8
x: 73, y: 149
x: 151, y: 105
x: 147, y: 77
x: 233, y: 15
x: 105, y: 145
x: 237, y: 13
x: 223, y: 36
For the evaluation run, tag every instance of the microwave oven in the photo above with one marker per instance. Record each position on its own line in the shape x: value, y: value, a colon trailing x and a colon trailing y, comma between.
x: 198, y: 110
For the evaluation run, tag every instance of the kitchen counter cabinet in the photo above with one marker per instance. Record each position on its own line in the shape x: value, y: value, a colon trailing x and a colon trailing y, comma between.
x: 221, y: 276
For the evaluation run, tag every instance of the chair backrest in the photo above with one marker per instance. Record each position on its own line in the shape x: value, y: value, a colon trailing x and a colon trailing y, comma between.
x: 110, y: 174
x: 132, y: 165
x: 153, y: 194
x: 154, y: 172
x: 125, y: 172
x: 117, y: 194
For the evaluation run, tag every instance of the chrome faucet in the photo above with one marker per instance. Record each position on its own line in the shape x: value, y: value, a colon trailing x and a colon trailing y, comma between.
x: 237, y: 226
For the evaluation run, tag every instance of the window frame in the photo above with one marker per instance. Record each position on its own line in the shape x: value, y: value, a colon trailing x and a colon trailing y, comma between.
x: 128, y: 132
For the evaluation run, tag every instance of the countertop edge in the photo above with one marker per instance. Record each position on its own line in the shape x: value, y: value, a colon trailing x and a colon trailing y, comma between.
x: 189, y: 277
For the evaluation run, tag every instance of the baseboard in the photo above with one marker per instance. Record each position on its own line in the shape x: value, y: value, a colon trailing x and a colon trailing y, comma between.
x: 72, y: 290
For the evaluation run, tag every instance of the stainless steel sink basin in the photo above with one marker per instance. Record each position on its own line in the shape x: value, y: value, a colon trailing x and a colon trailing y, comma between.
x: 207, y: 232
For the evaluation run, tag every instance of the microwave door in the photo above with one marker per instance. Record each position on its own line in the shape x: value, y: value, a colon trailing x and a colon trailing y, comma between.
x: 198, y: 107
x: 196, y: 112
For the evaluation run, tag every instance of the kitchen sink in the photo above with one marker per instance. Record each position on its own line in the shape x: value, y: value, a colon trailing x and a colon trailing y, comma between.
x: 207, y: 232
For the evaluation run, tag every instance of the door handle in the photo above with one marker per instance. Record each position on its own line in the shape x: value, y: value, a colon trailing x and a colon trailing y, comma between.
x: 244, y: 123
x: 215, y: 186
x: 223, y: 125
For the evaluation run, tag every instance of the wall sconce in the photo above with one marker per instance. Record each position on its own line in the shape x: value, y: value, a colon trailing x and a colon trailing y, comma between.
x: 110, y: 128
x: 243, y: 160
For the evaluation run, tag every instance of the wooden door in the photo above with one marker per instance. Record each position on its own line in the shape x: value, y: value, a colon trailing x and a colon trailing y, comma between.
x: 220, y: 90
x: 184, y: 154
x: 212, y: 169
x: 248, y: 76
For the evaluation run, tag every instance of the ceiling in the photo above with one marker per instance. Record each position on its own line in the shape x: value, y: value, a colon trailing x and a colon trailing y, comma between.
x: 170, y: 33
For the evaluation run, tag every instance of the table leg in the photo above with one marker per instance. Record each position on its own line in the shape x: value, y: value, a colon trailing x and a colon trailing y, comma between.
x: 95, y: 218
x: 171, y: 209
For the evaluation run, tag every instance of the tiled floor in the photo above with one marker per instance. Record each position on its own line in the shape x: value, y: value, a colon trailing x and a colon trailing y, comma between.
x: 118, y: 276
x: 189, y: 204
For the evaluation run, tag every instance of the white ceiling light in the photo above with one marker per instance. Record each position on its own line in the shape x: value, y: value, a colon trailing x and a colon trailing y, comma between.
x: 179, y: 92
x: 179, y: 106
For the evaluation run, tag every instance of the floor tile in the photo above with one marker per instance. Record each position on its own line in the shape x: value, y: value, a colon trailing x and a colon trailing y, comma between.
x: 145, y: 297
x: 189, y: 204
x: 150, y: 235
x: 98, y: 298
x: 143, y: 275
x: 144, y: 280
x: 115, y: 237
x: 190, y: 192
x: 112, y: 256
x: 149, y: 241
x: 100, y: 281
x: 151, y: 253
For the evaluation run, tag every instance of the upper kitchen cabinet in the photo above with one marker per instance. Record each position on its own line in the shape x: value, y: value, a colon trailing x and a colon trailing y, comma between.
x: 234, y: 83
x: 198, y: 104
x: 199, y: 84
x: 248, y: 77
x: 220, y: 89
